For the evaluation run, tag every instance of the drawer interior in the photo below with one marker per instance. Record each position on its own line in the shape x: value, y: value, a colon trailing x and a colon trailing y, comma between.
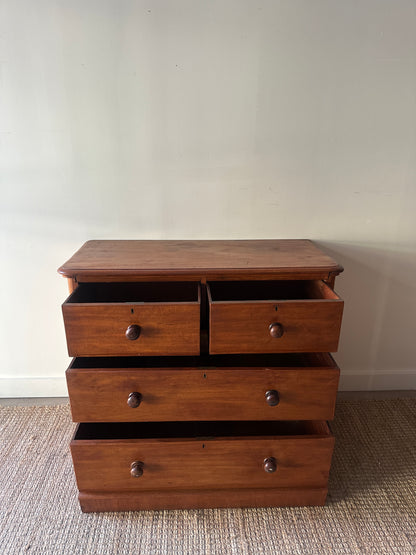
x: 277, y: 290
x: 280, y: 360
x: 198, y: 430
x: 132, y: 292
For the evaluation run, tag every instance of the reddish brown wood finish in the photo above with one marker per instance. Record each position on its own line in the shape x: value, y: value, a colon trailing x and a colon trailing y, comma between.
x: 72, y: 285
x: 254, y: 467
x: 270, y: 465
x: 276, y: 330
x: 133, y: 400
x: 237, y: 462
x: 101, y: 395
x: 309, y: 325
x: 200, y: 499
x: 136, y: 469
x: 133, y: 332
x: 272, y: 397
x: 123, y: 260
x: 100, y: 329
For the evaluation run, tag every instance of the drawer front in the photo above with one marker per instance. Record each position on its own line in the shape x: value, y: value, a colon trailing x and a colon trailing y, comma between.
x: 281, y: 326
x: 101, y: 330
x: 239, y: 462
x: 106, y: 328
x: 164, y: 394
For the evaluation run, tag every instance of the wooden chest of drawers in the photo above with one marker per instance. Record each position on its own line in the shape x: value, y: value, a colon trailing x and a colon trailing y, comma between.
x: 201, y: 374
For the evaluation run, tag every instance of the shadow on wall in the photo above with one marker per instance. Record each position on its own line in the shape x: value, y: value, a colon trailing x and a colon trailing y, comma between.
x: 378, y: 338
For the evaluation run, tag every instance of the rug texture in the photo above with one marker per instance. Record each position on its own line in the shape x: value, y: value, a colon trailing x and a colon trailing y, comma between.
x: 371, y: 506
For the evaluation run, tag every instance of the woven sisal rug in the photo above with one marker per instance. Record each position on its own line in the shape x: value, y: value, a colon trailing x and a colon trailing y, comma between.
x: 371, y: 506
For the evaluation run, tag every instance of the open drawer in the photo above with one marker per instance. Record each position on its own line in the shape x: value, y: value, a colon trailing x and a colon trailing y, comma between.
x: 214, y: 387
x: 179, y: 456
x: 273, y: 317
x: 116, y: 319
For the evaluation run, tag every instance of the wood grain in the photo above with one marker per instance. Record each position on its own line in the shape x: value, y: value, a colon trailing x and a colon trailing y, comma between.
x: 72, y: 285
x: 100, y: 330
x: 101, y: 395
x: 200, y: 499
x: 237, y: 462
x: 309, y: 325
x: 194, y: 432
x: 113, y: 260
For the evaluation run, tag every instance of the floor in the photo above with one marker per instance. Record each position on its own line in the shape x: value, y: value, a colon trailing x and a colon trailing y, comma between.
x: 370, y: 509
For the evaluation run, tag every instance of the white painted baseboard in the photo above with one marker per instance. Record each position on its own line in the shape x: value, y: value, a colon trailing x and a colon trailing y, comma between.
x: 377, y: 382
x: 56, y: 387
x: 33, y: 387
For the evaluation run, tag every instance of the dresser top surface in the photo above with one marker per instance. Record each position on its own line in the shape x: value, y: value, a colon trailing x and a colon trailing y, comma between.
x: 204, y: 258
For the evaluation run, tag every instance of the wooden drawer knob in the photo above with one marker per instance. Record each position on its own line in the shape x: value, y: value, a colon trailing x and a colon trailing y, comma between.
x: 136, y: 469
x: 133, y: 332
x: 276, y: 330
x: 270, y: 464
x: 134, y: 399
x: 272, y: 397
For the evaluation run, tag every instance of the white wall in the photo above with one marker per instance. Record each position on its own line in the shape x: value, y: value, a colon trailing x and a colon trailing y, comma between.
x: 220, y: 119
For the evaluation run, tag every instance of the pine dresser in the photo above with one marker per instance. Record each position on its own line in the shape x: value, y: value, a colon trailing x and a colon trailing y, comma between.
x: 201, y: 373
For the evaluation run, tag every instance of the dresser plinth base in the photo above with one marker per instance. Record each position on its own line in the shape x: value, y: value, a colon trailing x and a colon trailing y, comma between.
x: 200, y: 499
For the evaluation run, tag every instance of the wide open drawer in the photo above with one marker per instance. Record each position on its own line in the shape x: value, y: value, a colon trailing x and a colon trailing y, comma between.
x: 110, y: 319
x: 273, y: 317
x: 232, y: 387
x: 197, y: 455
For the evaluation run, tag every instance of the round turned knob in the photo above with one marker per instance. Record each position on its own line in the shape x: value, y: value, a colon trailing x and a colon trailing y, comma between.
x: 134, y: 399
x: 136, y: 469
x: 270, y: 464
x: 133, y: 332
x: 276, y: 330
x: 272, y: 397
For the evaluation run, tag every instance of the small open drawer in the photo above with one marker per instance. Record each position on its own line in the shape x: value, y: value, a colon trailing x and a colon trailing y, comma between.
x: 273, y: 317
x: 189, y: 455
x: 116, y: 319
